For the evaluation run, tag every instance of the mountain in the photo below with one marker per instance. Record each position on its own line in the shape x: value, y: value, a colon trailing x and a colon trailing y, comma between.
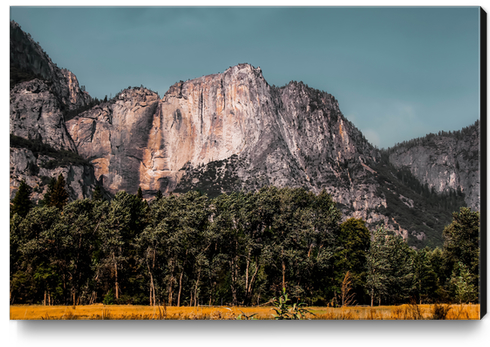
x: 448, y: 161
x: 233, y: 131
x: 28, y: 59
x: 40, y: 145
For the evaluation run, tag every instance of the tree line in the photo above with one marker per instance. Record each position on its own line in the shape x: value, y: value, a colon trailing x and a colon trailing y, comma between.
x: 428, y: 140
x: 235, y: 249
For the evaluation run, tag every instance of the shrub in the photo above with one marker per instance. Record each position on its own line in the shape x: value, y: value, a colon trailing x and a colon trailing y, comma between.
x: 109, y: 298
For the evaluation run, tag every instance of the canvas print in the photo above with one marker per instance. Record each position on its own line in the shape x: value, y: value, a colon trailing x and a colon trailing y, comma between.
x: 245, y: 163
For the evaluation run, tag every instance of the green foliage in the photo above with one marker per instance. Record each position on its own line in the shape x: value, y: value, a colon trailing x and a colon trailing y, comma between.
x: 237, y: 249
x: 159, y: 195
x: 18, y: 75
x: 377, y: 265
x: 97, y: 193
x: 46, y: 200
x: 286, y: 311
x: 21, y: 203
x: 109, y: 298
x: 461, y: 280
x: 59, y: 196
x: 429, y: 139
x: 462, y: 239
x: 389, y: 267
x: 426, y: 280
x: 354, y: 239
x: 431, y: 211
x: 400, y: 277
x: 70, y: 114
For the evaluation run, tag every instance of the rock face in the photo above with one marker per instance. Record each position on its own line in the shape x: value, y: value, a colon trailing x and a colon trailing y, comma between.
x: 291, y: 136
x: 40, y: 93
x: 35, y: 114
x: 28, y: 56
x: 226, y: 132
x: 448, y: 161
x: 35, y: 170
x: 233, y: 131
x: 114, y: 136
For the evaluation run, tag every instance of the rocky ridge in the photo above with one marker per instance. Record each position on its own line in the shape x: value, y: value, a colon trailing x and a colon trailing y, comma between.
x: 227, y: 132
x: 40, y: 94
x: 27, y: 56
x: 445, y: 162
x: 35, y: 113
x: 115, y: 135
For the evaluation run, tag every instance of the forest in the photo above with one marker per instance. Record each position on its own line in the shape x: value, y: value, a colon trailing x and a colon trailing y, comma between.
x: 234, y: 249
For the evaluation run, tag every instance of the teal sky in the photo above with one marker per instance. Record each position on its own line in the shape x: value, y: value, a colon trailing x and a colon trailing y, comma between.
x: 398, y: 73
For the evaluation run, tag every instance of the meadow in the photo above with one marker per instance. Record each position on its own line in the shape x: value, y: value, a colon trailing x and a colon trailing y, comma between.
x: 135, y: 312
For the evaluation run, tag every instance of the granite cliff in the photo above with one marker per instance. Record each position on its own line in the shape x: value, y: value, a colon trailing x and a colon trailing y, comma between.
x: 235, y: 125
x: 40, y: 93
x: 448, y: 161
x: 27, y: 58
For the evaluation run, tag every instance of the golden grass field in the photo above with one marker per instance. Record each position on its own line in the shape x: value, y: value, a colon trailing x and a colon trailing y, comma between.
x: 130, y: 312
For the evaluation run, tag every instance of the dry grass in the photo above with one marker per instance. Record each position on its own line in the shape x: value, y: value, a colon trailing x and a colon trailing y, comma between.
x: 130, y: 312
x: 402, y: 312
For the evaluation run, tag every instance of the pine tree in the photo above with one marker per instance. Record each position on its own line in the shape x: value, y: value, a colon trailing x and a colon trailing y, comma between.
x: 425, y: 277
x: 97, y: 194
x: 461, y: 243
x: 46, y: 200
x: 400, y: 276
x: 21, y: 204
x: 461, y: 281
x: 159, y: 196
x: 59, y: 196
x: 377, y: 264
x: 139, y: 194
x: 351, y: 255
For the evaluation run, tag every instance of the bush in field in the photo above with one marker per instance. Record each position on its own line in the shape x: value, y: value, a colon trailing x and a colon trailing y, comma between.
x: 286, y: 311
x: 109, y: 298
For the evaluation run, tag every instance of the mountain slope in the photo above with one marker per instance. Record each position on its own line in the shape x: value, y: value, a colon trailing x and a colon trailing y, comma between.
x: 290, y: 136
x: 445, y: 162
x: 28, y: 60
x: 40, y: 94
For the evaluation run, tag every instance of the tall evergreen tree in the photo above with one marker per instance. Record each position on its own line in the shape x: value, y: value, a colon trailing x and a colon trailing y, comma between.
x: 400, y: 276
x: 351, y: 256
x: 59, y: 195
x: 426, y: 283
x: 462, y: 242
x: 97, y: 193
x: 378, y: 266
x: 462, y: 283
x: 46, y: 200
x: 159, y: 196
x: 21, y: 204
